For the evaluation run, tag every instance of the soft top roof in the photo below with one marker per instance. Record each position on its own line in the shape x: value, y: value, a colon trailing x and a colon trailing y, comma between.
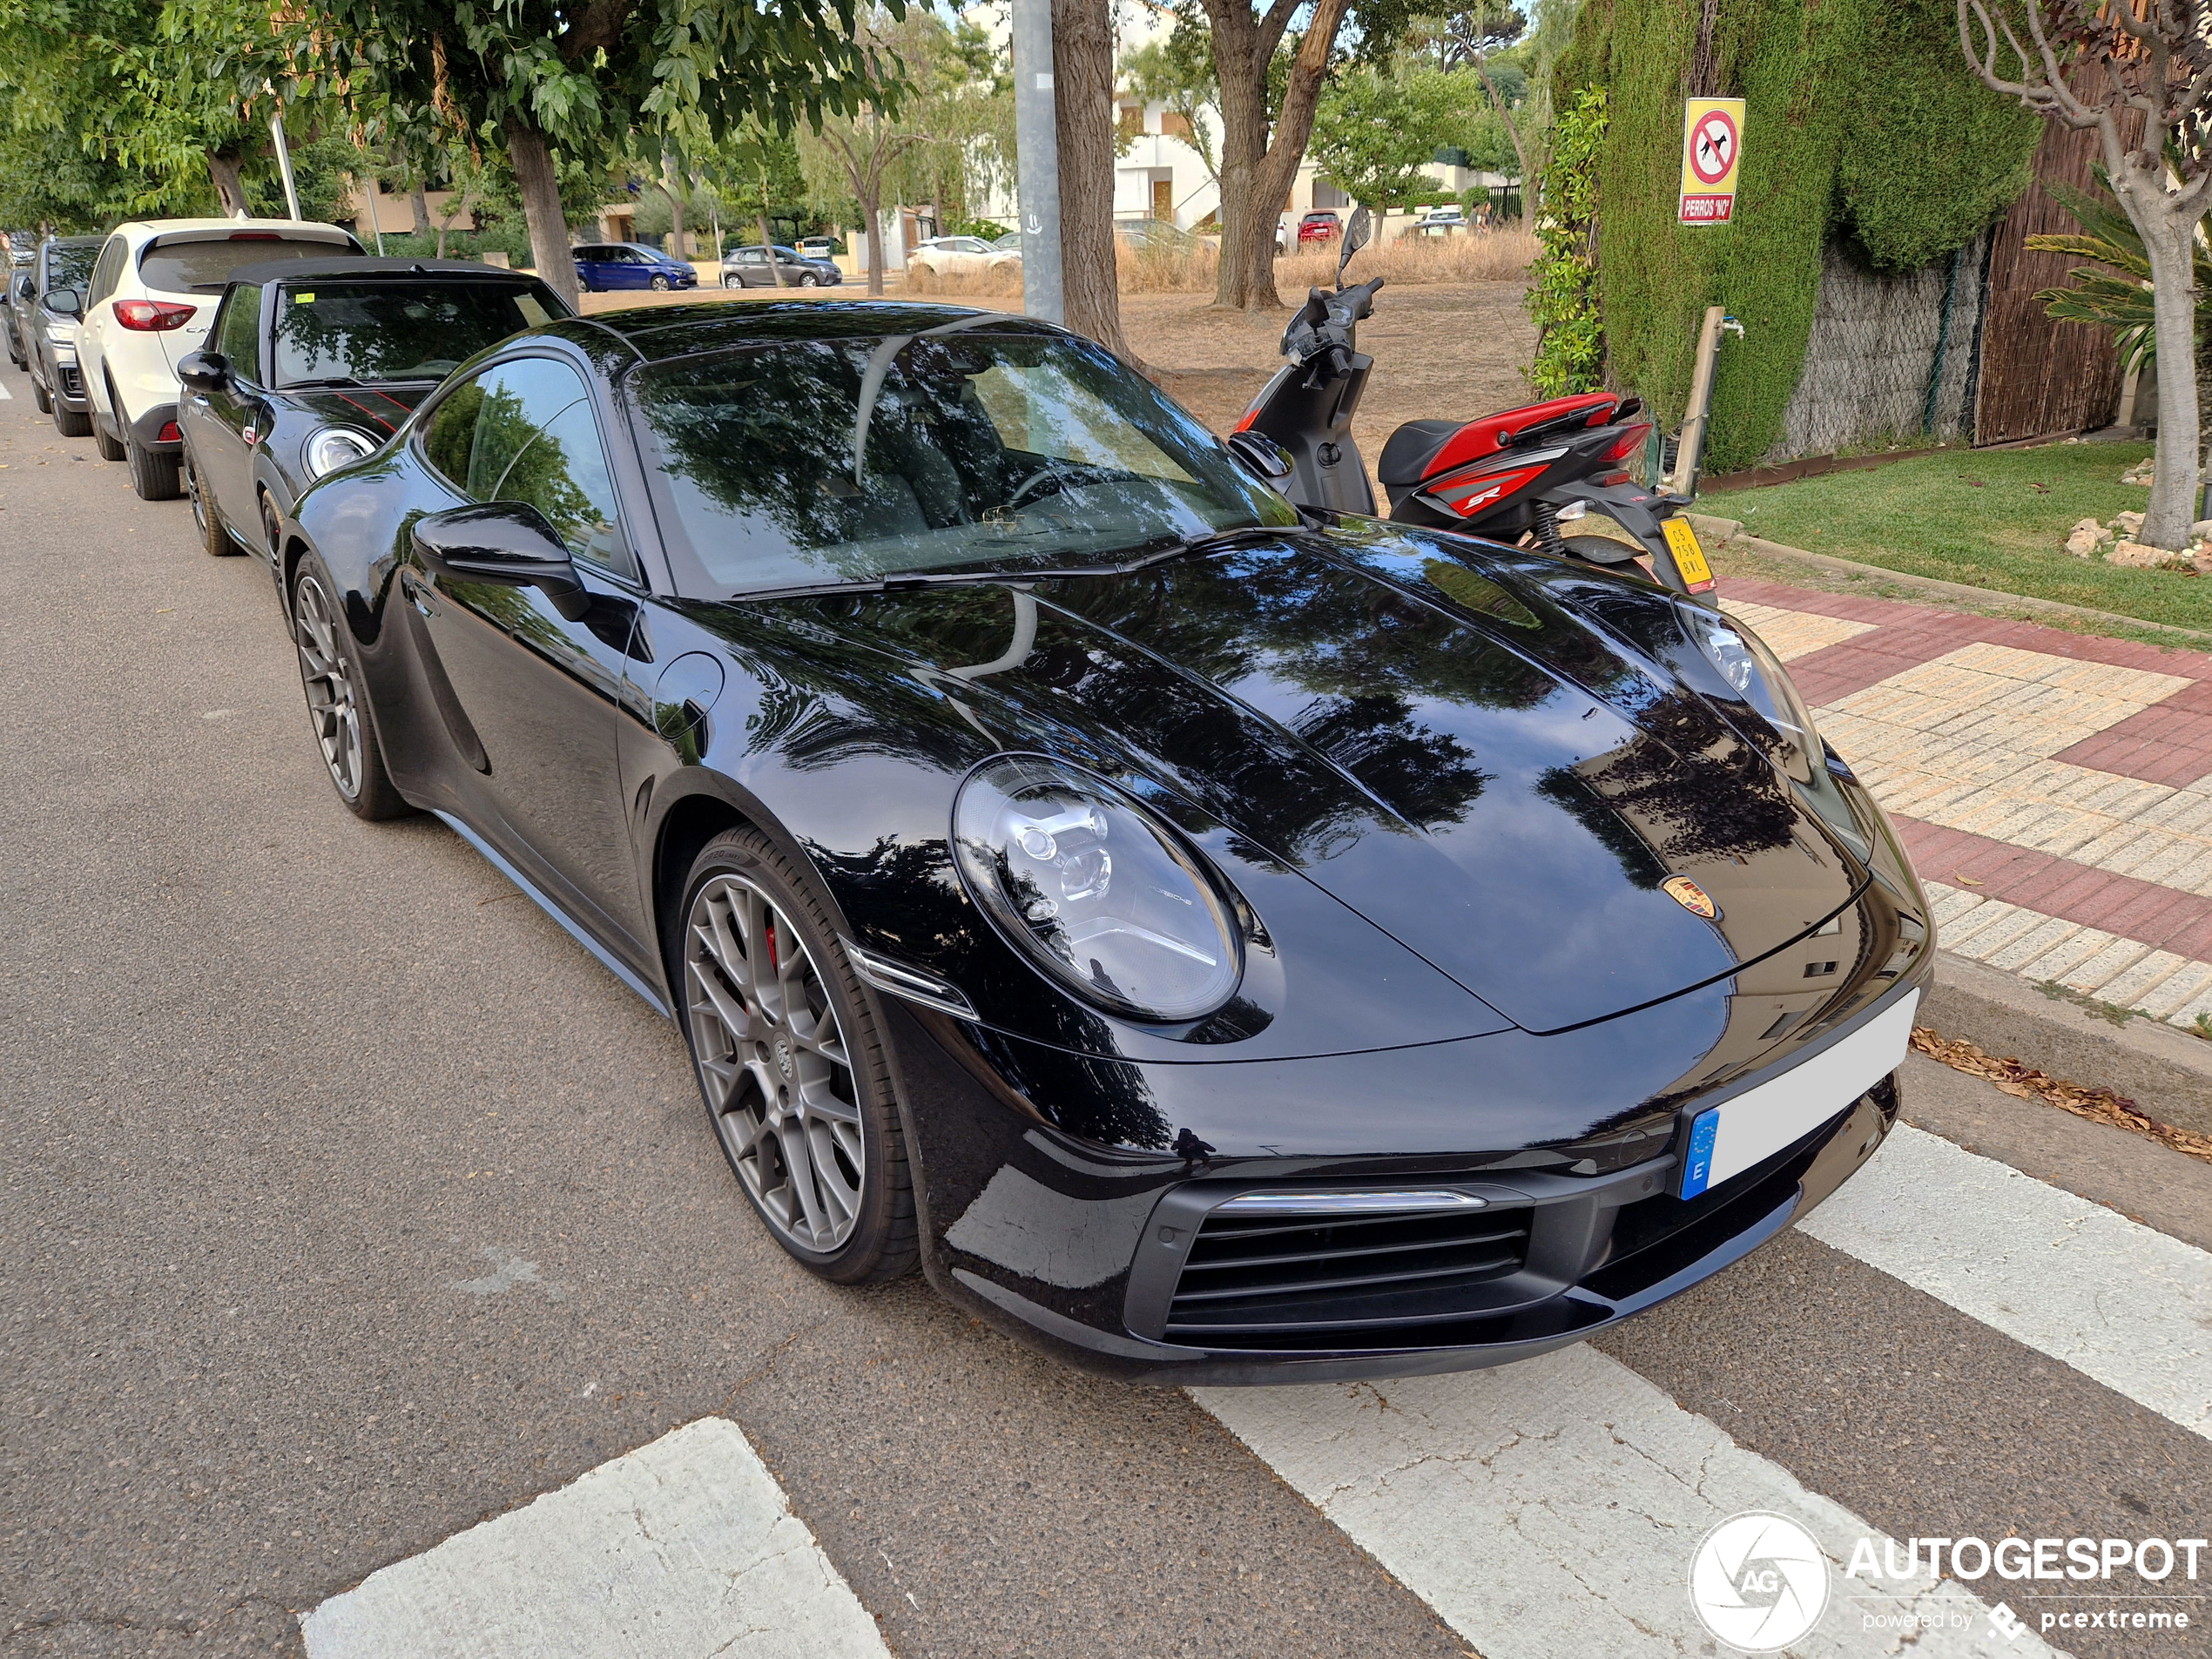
x: 658, y: 332
x: 355, y: 267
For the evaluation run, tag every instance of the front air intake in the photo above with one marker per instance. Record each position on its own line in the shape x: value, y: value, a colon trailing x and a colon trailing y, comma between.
x: 1257, y: 1274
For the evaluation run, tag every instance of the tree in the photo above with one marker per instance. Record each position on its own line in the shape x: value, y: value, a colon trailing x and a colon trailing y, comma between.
x: 2105, y: 68
x: 1479, y: 32
x: 561, y: 81
x: 1376, y: 134
x: 1082, y: 75
x: 759, y: 175
x: 1261, y: 148
x: 1176, y: 70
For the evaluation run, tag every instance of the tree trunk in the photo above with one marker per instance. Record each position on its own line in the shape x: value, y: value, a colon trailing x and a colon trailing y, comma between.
x: 672, y: 188
x: 1520, y: 147
x: 1241, y: 73
x: 418, y: 204
x: 2174, y: 484
x: 768, y: 241
x: 1082, y: 75
x: 541, y: 193
x: 230, y: 189
x: 872, y: 215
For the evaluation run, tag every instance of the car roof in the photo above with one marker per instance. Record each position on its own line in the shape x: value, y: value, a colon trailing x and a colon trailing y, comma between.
x: 357, y: 267
x: 140, y: 230
x: 657, y: 333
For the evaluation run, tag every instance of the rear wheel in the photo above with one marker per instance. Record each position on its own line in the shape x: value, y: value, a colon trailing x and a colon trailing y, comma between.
x: 219, y: 541
x: 794, y: 1072
x: 330, y: 674
x: 154, y: 476
x: 112, y: 448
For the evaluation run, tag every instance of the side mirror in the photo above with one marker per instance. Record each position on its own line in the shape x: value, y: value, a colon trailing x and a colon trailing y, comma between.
x: 65, y: 302
x: 1263, y: 457
x: 203, y: 371
x: 1355, y: 238
x: 506, y: 543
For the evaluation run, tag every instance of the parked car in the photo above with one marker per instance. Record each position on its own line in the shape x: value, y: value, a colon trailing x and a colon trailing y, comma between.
x: 1440, y: 221
x: 825, y: 248
x: 152, y: 292
x: 1159, y: 236
x: 1322, y: 226
x: 312, y: 365
x: 59, y: 275
x: 951, y: 255
x: 1216, y: 945
x: 748, y: 267
x: 601, y: 265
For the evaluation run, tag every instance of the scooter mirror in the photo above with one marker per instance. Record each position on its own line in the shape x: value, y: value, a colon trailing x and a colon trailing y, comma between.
x: 1355, y: 238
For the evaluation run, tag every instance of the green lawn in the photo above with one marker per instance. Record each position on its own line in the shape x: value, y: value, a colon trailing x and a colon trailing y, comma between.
x: 1978, y: 518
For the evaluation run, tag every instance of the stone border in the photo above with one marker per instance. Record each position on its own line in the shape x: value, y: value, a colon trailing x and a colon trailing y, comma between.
x: 2165, y: 1071
x: 1728, y: 532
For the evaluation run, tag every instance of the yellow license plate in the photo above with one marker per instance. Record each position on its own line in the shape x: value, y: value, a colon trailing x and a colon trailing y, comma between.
x: 1690, y: 558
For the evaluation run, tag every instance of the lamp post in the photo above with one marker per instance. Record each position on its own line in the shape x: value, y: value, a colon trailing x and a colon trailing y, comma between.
x: 1036, y: 138
x: 284, y: 159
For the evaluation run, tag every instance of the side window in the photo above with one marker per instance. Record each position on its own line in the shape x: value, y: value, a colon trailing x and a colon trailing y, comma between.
x: 535, y: 440
x: 238, y: 336
x: 106, y: 273
x: 451, y: 431
x: 589, y: 255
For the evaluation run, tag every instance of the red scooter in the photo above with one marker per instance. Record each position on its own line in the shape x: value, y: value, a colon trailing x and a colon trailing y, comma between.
x: 1515, y: 477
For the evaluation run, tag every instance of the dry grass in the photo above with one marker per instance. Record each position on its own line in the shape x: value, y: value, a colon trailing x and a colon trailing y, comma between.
x: 1497, y: 256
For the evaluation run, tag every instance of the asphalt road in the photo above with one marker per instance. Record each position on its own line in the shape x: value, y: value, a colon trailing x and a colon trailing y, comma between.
x: 347, y: 1203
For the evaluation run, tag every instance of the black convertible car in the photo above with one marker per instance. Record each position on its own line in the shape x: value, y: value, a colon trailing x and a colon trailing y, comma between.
x: 1218, y: 945
x: 313, y: 364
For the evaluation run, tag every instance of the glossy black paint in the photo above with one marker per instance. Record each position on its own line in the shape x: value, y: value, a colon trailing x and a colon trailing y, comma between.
x: 246, y: 438
x: 1448, y: 776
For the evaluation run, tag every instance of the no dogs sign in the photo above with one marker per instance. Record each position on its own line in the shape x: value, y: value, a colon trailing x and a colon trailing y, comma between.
x: 1712, y: 150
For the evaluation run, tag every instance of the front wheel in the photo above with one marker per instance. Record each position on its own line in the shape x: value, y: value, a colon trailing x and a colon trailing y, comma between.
x: 806, y: 279
x: 330, y: 674
x: 41, y: 397
x: 72, y: 423
x: 794, y: 1072
x: 660, y: 285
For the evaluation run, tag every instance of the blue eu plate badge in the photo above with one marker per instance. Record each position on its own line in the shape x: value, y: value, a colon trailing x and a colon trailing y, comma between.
x: 1697, y: 1167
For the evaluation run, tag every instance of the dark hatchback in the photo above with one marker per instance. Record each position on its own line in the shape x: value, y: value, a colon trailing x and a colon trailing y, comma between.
x: 1216, y: 944
x: 51, y: 300
x: 748, y: 267
x: 310, y: 366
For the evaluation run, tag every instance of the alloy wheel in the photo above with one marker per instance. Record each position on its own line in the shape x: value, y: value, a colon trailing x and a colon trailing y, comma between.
x: 329, y: 683
x: 774, y: 1060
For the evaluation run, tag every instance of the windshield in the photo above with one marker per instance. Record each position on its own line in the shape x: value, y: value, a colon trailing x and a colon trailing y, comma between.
x: 67, y: 266
x: 390, y: 331
x: 844, y: 460
x: 203, y: 267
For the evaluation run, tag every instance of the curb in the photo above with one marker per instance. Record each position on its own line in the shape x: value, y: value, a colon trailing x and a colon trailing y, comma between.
x: 2166, y: 1072
x: 1728, y: 532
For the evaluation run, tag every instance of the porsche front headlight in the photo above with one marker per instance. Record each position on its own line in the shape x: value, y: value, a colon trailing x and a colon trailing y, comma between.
x: 1758, y: 676
x: 335, y: 446
x: 1096, y: 890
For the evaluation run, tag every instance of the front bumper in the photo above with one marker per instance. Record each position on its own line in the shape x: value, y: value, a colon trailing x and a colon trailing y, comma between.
x: 1081, y: 1249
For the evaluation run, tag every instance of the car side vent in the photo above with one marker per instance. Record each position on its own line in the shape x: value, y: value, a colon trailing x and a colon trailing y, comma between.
x: 1262, y: 1276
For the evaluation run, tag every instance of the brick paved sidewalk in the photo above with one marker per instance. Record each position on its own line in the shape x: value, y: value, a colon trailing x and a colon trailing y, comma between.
x: 2055, y: 790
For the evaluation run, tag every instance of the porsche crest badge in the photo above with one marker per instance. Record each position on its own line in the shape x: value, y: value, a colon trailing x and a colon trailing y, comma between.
x: 1691, y: 897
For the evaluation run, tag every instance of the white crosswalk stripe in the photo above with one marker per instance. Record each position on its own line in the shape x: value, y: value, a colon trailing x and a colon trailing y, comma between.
x: 2114, y: 1299
x: 1549, y: 1509
x: 682, y: 1550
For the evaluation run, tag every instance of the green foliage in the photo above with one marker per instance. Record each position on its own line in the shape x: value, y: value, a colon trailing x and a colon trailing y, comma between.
x: 989, y: 229
x: 1905, y: 166
x: 1562, y: 295
x: 1377, y: 134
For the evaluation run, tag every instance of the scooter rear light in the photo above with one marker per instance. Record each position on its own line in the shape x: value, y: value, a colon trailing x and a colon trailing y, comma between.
x: 152, y: 316
x: 1629, y: 441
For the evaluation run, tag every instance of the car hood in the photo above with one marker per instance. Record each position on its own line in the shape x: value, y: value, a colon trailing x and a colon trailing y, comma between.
x: 377, y: 410
x: 1475, y: 769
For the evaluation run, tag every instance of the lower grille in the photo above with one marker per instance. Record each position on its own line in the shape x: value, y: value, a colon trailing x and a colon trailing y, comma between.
x: 72, y: 382
x: 1275, y: 1275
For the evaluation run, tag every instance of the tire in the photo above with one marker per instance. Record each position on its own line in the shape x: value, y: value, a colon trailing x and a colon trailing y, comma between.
x: 806, y: 279
x: 40, y: 396
x: 219, y: 541
x: 659, y: 285
x: 331, y: 678
x: 111, y: 448
x: 154, y: 476
x: 271, y: 528
x: 774, y: 1088
x: 70, y: 423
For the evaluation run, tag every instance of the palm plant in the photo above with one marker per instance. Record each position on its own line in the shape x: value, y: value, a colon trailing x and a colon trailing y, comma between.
x: 2119, y: 297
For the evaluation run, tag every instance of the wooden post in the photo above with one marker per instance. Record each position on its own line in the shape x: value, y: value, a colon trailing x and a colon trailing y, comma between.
x: 1691, y: 453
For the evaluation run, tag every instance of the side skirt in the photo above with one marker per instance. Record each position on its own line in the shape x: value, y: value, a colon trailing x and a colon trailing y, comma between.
x: 607, y: 958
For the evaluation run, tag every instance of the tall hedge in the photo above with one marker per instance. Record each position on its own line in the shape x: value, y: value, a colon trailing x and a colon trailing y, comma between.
x: 1861, y: 123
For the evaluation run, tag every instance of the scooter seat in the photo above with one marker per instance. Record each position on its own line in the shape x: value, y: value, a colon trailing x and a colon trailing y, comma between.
x: 1405, y: 456
x: 1421, y: 448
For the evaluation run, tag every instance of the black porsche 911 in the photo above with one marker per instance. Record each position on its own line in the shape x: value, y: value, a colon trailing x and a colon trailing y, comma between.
x: 1218, y: 945
x: 311, y: 365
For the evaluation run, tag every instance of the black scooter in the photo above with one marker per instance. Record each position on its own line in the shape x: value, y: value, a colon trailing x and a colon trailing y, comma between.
x: 1515, y: 477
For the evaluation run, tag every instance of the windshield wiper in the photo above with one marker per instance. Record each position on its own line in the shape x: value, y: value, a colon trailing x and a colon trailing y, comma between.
x: 909, y: 581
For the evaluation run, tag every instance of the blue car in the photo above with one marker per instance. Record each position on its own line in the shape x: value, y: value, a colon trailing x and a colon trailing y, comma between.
x: 629, y: 265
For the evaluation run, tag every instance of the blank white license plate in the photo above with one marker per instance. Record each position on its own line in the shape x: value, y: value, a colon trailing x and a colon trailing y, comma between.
x: 1728, y: 1139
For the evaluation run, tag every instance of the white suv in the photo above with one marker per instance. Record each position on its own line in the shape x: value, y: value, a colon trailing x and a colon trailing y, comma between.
x: 152, y: 293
